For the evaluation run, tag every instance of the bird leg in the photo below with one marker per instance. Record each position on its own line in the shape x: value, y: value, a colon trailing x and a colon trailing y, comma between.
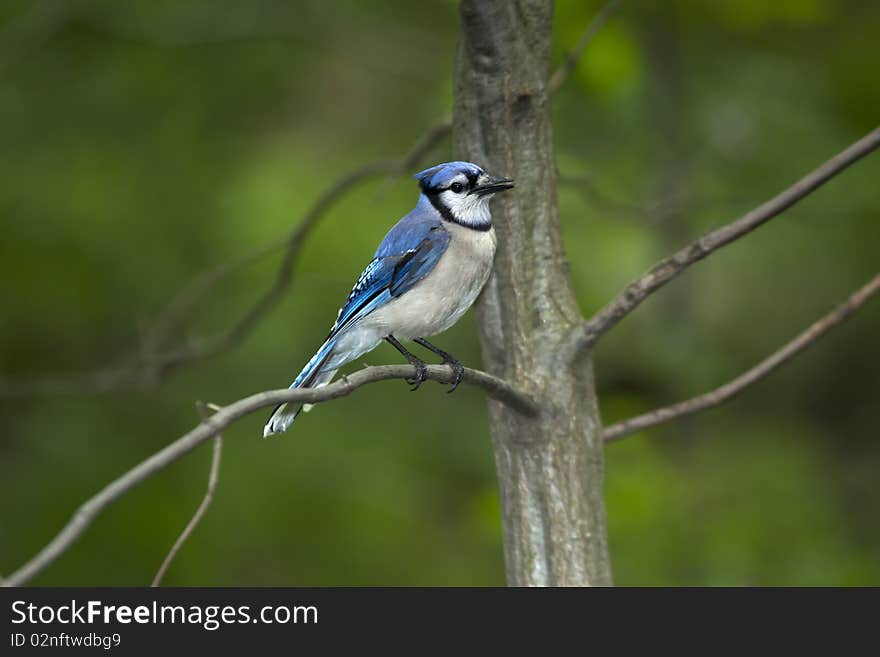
x: 448, y: 359
x: 421, y: 368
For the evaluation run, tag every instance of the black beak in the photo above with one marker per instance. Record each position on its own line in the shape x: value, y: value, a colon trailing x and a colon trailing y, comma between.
x: 492, y: 186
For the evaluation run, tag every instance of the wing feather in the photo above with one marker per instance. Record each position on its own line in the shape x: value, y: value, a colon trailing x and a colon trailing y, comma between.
x: 390, y: 276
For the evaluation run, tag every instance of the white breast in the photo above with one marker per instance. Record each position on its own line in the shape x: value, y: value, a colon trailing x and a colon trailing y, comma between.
x: 442, y: 297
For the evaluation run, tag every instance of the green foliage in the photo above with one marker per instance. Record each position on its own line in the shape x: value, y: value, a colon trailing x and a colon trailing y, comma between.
x: 144, y: 142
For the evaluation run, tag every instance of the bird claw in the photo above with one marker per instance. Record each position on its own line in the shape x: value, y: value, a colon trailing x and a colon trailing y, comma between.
x: 458, y: 370
x: 419, y: 378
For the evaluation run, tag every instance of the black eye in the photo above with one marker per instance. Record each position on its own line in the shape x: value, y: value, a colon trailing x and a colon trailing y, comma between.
x: 456, y: 187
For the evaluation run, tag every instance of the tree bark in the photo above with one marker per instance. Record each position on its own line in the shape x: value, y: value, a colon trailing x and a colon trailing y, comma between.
x: 550, y: 467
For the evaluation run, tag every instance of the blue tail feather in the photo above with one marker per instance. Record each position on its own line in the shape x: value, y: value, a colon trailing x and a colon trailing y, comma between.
x: 312, y: 376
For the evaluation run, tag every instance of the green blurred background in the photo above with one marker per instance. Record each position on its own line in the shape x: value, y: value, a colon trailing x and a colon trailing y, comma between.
x: 144, y: 142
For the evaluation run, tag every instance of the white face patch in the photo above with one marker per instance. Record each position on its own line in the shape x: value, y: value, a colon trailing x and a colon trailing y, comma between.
x: 468, y: 209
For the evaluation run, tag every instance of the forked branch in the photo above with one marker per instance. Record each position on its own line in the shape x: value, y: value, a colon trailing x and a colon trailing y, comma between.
x: 213, y: 479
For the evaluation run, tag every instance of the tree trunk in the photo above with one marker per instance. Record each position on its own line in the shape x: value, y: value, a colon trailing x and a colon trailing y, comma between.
x: 550, y: 468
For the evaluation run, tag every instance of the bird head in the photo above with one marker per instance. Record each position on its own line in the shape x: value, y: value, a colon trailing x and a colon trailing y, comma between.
x: 461, y: 192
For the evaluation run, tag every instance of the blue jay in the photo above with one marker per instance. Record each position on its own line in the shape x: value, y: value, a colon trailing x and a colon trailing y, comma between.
x: 426, y: 273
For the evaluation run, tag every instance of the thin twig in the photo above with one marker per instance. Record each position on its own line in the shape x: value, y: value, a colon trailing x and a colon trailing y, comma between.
x: 495, y: 388
x: 213, y: 478
x: 565, y: 70
x: 589, y: 332
x: 731, y: 389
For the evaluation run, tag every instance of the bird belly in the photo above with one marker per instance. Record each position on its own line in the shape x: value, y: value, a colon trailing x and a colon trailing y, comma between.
x: 440, y: 299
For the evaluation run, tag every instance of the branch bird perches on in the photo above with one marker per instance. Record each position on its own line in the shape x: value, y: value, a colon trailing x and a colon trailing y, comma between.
x: 226, y: 415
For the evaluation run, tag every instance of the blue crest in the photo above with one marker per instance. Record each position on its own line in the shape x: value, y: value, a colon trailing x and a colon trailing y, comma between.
x: 441, y: 175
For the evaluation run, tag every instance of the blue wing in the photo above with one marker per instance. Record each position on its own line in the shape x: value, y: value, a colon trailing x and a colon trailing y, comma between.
x: 395, y: 268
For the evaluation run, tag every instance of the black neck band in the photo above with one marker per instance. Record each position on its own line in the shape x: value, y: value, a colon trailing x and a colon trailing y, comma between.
x: 446, y: 213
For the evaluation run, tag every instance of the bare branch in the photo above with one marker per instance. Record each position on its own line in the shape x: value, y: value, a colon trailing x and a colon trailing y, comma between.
x: 213, y: 478
x: 588, y: 333
x: 755, y: 374
x: 495, y: 388
x: 561, y: 74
